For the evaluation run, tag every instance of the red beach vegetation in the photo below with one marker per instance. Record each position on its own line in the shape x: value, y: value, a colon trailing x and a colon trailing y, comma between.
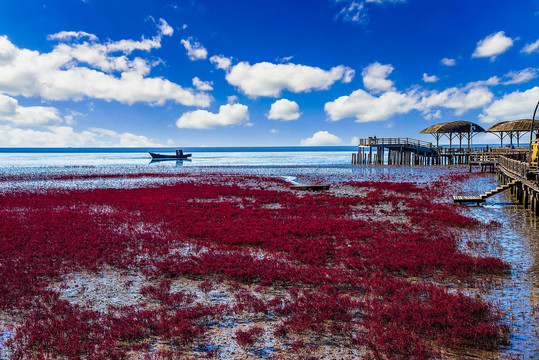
x: 370, y: 271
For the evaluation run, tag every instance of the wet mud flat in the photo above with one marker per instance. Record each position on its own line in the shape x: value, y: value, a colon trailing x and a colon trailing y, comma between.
x: 239, y: 266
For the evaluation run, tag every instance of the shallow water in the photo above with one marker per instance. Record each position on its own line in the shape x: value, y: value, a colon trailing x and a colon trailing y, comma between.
x: 518, y: 235
x: 112, y: 159
x: 517, y: 294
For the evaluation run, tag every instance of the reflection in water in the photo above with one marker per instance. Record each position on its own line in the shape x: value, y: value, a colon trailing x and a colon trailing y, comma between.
x: 178, y: 162
x: 517, y: 294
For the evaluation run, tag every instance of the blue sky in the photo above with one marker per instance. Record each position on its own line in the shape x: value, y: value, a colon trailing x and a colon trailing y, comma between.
x: 260, y: 73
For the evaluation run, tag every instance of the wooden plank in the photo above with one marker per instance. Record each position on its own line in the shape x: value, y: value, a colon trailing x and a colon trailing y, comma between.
x: 461, y: 199
x: 309, y: 187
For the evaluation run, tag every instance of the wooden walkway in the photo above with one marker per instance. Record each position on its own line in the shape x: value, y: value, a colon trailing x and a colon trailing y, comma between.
x: 487, y: 161
x: 485, y: 196
x: 526, y: 192
x: 406, y: 151
x: 401, y: 151
x: 467, y: 199
x: 500, y: 189
x: 514, y: 174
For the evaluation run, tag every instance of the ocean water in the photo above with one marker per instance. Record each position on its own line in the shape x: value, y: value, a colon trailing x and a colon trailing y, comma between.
x: 253, y: 156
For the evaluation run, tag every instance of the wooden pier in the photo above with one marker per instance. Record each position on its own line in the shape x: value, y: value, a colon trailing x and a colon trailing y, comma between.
x: 483, y: 197
x: 516, y: 175
x: 401, y: 151
x: 526, y: 190
x: 511, y: 164
x: 487, y: 161
x: 406, y: 151
x: 468, y: 199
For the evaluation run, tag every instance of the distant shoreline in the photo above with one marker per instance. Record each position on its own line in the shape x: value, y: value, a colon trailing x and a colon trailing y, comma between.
x: 189, y: 149
x: 171, y: 149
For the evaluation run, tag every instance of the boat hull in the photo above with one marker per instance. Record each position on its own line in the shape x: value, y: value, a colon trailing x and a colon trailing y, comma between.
x: 156, y: 156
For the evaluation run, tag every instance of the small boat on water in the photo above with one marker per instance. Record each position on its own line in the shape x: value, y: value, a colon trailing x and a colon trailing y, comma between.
x: 178, y: 156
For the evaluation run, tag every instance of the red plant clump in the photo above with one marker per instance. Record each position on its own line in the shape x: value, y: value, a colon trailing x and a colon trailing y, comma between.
x: 248, y: 337
x: 339, y: 265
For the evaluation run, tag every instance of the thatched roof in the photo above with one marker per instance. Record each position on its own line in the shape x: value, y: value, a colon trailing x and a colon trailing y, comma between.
x: 452, y: 127
x: 514, y: 126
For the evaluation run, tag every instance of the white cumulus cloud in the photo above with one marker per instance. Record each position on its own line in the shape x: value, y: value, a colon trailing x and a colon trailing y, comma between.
x: 493, y: 80
x: 429, y: 115
x: 64, y: 136
x: 366, y: 107
x: 460, y: 100
x: 232, y: 99
x: 522, y: 76
x: 513, y: 106
x: 267, y: 79
x: 493, y: 45
x: 531, y: 48
x: 125, y: 139
x: 195, y: 50
x: 221, y: 62
x: 229, y: 114
x: 284, y: 110
x: 375, y: 77
x: 449, y: 62
x: 11, y: 111
x: 202, y: 85
x: 68, y: 35
x: 430, y: 79
x: 165, y: 28
x: 321, y: 138
x: 111, y: 76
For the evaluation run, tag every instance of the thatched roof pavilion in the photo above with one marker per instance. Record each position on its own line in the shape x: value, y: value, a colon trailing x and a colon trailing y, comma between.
x: 517, y: 128
x: 460, y: 129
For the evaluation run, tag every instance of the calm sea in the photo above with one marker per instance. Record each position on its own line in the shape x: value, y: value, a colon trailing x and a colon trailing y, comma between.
x: 202, y: 156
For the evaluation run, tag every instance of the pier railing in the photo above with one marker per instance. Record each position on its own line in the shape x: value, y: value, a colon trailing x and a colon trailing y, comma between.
x: 481, y: 149
x: 506, y: 150
x: 373, y: 141
x: 463, y: 150
x: 520, y: 168
x: 484, y: 157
